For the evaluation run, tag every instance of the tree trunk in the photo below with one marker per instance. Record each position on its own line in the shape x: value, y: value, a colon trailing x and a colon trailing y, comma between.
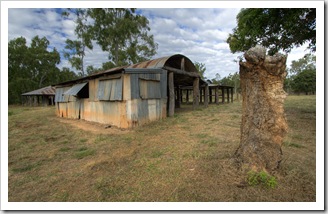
x: 263, y: 120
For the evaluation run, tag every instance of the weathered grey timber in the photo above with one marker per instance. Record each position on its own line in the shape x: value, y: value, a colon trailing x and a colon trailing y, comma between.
x: 196, y: 93
x: 171, y: 94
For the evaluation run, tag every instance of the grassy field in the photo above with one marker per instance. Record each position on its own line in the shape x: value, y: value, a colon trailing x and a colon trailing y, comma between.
x: 188, y: 157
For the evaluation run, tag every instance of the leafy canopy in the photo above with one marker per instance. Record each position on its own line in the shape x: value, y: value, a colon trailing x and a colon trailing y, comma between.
x: 274, y: 28
x: 32, y: 67
x: 201, y: 68
x: 302, y: 75
x: 75, y: 49
x: 123, y: 34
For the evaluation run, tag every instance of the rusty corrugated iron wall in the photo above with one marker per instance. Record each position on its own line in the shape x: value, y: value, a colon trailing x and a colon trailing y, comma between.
x: 125, y: 101
x: 126, y: 96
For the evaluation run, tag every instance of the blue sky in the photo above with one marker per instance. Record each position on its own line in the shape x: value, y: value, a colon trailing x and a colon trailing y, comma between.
x: 198, y: 33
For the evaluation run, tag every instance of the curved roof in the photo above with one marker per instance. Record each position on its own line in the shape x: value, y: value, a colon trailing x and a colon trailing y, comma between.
x: 173, y: 61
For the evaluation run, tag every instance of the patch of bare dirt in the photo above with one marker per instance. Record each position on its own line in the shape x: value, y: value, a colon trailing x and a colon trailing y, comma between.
x: 96, y: 128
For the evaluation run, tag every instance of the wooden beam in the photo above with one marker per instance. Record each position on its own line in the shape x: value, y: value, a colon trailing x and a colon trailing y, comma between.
x: 232, y: 95
x: 196, y: 93
x: 178, y: 71
x: 206, y: 96
x: 183, y: 64
x: 171, y: 95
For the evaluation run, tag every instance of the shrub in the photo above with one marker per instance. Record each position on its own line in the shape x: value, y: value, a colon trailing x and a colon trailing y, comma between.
x: 261, y: 178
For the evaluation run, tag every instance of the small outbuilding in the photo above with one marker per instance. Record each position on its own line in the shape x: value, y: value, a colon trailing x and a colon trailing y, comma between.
x: 129, y: 96
x: 43, y: 96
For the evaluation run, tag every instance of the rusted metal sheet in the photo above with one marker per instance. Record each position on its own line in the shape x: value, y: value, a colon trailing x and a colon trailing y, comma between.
x: 62, y: 110
x: 113, y: 113
x: 147, y: 86
x: 73, y: 110
x: 149, y: 89
x: 75, y: 89
x: 49, y: 90
x: 111, y: 89
x: 59, y: 96
x: 137, y: 93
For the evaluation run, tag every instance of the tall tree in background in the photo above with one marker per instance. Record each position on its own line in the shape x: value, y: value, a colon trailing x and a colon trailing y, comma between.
x: 32, y: 67
x: 201, y: 68
x: 232, y: 80
x: 18, y: 70
x: 308, y: 62
x: 42, y: 63
x: 123, y: 34
x: 302, y: 75
x: 75, y: 49
x: 274, y: 28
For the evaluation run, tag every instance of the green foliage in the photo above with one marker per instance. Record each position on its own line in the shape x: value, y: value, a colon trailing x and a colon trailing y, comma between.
x: 217, y: 79
x: 302, y: 75
x: 261, y: 178
x: 308, y: 62
x: 75, y: 50
x: 123, y: 34
x: 232, y: 80
x: 201, y: 68
x: 305, y: 82
x: 274, y: 28
x: 30, y: 68
x: 84, y: 152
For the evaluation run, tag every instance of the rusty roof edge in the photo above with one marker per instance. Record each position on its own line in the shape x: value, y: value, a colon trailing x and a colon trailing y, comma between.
x: 92, y: 76
x: 48, y: 90
x: 154, y: 63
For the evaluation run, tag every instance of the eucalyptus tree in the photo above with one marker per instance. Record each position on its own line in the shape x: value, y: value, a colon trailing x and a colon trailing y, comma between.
x: 30, y: 67
x: 122, y: 33
x: 75, y: 50
x: 201, y: 68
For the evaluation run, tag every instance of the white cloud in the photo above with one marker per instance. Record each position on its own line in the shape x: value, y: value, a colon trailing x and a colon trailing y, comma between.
x: 199, y: 34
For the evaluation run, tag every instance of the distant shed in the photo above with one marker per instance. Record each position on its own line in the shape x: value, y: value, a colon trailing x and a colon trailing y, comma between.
x: 129, y: 96
x: 43, y: 96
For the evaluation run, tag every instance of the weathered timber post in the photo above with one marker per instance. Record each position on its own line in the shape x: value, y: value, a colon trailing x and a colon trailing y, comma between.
x: 223, y: 95
x: 232, y: 95
x: 178, y: 97
x: 187, y: 96
x: 228, y: 95
x: 263, y: 121
x: 171, y: 95
x: 200, y: 95
x: 206, y: 96
x: 217, y: 95
x: 210, y: 95
x: 196, y: 93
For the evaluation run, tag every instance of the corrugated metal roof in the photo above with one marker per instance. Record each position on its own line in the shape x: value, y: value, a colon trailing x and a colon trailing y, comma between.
x: 172, y: 61
x: 75, y: 89
x: 49, y: 90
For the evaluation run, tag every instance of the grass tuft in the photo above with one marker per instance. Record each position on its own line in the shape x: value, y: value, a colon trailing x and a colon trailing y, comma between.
x: 84, y: 152
x: 261, y: 178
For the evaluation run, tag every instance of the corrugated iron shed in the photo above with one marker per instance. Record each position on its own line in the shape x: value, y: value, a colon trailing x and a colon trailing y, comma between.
x: 49, y: 90
x: 171, y: 61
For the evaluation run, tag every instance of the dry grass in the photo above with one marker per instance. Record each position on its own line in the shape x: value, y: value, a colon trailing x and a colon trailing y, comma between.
x: 184, y: 158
